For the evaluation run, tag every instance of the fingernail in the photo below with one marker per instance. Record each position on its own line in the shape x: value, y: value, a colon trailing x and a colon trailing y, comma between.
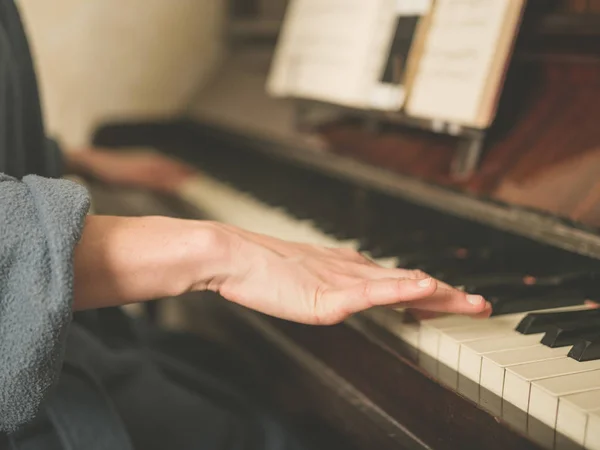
x: 424, y: 282
x: 475, y: 300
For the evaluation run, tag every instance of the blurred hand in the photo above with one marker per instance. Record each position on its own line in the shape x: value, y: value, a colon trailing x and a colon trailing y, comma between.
x: 144, y: 170
x: 316, y: 285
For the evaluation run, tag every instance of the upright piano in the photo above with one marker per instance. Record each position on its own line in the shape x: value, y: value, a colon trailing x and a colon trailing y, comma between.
x: 522, y: 228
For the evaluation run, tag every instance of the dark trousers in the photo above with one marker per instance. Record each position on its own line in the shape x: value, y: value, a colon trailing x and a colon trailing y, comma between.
x: 122, y: 389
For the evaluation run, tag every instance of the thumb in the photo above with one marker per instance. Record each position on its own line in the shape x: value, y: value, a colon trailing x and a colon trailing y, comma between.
x: 338, y: 304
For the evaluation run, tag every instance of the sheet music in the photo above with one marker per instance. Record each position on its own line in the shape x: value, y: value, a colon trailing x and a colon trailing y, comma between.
x: 334, y: 50
x: 458, y: 58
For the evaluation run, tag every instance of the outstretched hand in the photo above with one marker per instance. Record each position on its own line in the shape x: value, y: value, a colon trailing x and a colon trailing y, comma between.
x: 122, y: 260
x: 315, y: 285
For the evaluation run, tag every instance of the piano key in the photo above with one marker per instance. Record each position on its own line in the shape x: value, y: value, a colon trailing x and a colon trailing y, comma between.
x: 440, y: 336
x: 471, y: 353
x: 554, y: 298
x: 592, y: 434
x: 539, y: 321
x: 517, y: 279
x: 450, y: 341
x: 561, y: 335
x: 518, y: 379
x: 572, y: 417
x: 471, y: 357
x: 226, y: 204
x: 475, y: 283
x: 433, y: 329
x: 586, y: 349
x: 395, y: 322
x: 545, y: 394
x: 493, y: 366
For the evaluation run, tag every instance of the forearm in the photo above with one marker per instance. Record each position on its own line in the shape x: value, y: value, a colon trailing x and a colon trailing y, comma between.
x: 78, y: 162
x: 124, y: 260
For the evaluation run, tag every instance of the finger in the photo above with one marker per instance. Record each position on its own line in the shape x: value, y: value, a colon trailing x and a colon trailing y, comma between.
x: 420, y: 315
x: 182, y: 169
x: 385, y: 272
x: 341, y: 303
x: 453, y: 301
x: 486, y: 313
x: 409, y: 273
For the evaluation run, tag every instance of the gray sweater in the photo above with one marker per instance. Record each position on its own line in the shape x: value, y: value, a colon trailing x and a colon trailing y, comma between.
x: 40, y: 223
x: 95, y: 397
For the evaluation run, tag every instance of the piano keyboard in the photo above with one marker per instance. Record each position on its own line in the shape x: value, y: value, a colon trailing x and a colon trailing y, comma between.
x: 535, y: 362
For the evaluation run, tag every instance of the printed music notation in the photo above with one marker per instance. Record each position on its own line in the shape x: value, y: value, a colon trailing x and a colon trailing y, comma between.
x: 461, y: 68
x: 337, y: 50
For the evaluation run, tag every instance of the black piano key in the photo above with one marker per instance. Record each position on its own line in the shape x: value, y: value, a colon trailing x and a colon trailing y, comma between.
x: 586, y: 349
x: 556, y: 298
x: 509, y: 280
x: 535, y: 323
x: 561, y: 335
x: 479, y: 282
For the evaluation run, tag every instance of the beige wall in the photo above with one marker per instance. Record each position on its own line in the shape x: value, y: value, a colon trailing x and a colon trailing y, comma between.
x: 104, y: 59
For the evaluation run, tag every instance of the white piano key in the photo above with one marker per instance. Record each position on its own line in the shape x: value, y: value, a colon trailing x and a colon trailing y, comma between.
x: 389, y: 262
x: 470, y: 357
x: 448, y: 321
x: 545, y: 394
x: 572, y: 416
x: 493, y: 366
x: 439, y: 335
x: 592, y: 434
x: 518, y: 379
x: 450, y: 341
x: 223, y: 203
x: 394, y: 322
x: 471, y: 353
x: 433, y: 330
x: 429, y: 339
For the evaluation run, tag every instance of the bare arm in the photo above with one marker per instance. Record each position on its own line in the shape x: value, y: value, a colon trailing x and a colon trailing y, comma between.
x: 141, y: 169
x: 122, y: 260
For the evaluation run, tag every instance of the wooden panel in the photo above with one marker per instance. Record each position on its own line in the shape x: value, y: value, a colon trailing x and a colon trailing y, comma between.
x: 559, y: 164
x: 383, y: 400
x: 579, y: 6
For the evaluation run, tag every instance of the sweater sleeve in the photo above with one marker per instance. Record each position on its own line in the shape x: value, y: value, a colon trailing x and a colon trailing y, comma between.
x: 41, y: 221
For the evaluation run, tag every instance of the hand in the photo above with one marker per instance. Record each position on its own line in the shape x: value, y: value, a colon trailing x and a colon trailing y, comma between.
x: 144, y: 170
x: 122, y: 260
x: 314, y: 285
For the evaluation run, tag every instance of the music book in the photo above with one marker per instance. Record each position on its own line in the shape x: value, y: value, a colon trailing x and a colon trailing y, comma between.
x: 461, y: 68
x: 355, y: 53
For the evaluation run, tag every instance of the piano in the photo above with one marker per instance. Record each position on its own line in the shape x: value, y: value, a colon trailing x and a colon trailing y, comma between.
x: 522, y: 229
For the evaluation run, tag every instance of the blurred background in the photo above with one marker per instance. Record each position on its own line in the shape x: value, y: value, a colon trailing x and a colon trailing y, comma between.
x: 512, y: 205
x: 109, y: 60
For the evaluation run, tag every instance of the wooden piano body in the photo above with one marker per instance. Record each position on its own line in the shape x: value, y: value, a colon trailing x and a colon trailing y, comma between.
x: 355, y: 385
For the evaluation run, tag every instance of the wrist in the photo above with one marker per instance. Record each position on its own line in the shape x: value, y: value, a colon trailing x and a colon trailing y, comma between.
x: 211, y: 255
x: 123, y: 260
